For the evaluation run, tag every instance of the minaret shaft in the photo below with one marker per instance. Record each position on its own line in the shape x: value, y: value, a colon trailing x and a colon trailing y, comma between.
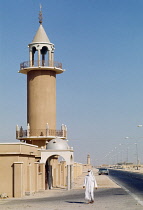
x: 41, y: 100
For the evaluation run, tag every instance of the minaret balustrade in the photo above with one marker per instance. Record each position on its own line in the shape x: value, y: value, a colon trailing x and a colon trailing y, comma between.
x: 40, y: 63
x: 36, y: 134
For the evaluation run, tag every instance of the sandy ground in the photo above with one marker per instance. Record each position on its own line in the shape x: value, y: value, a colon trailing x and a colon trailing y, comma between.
x: 102, y: 181
x: 140, y: 170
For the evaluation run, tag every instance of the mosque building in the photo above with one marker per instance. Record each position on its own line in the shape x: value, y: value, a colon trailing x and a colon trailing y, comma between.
x: 33, y: 163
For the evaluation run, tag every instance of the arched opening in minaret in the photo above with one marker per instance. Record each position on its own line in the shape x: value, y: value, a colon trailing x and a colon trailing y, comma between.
x: 55, y: 172
x: 44, y: 51
x: 71, y: 158
x: 33, y: 55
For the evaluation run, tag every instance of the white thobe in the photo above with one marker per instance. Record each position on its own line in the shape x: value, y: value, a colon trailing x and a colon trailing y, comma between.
x: 89, y: 184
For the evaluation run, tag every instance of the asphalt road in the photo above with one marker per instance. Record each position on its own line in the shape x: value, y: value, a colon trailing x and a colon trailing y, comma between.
x: 105, y: 198
x: 131, y: 182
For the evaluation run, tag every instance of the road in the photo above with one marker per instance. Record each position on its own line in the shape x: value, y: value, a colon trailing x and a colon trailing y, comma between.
x: 105, y: 198
x: 109, y: 196
x: 131, y: 182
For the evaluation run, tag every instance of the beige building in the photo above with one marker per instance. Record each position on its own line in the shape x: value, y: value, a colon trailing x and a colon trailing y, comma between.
x: 88, y: 159
x: 42, y: 159
x: 22, y: 168
x: 20, y: 172
x: 88, y: 165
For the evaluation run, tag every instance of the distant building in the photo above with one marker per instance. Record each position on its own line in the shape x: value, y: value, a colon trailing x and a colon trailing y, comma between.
x: 88, y: 164
x: 88, y: 159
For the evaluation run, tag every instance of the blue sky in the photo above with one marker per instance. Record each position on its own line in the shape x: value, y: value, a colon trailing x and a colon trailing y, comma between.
x: 100, y: 96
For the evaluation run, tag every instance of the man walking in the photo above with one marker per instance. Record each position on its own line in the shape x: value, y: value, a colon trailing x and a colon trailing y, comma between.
x: 89, y: 185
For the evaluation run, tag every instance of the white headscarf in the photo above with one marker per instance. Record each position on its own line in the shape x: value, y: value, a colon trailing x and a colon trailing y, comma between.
x: 90, y: 174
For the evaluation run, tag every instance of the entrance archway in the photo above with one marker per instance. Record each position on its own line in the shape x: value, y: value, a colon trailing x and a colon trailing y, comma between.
x: 58, y: 148
x: 55, y: 172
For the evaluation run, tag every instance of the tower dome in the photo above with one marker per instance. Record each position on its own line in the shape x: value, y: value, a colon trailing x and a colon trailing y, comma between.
x: 58, y: 144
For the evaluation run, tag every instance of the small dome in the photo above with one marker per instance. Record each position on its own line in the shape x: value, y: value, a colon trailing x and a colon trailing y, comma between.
x: 58, y: 144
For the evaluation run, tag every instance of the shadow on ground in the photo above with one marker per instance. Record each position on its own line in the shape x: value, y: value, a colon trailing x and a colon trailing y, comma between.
x: 75, y: 202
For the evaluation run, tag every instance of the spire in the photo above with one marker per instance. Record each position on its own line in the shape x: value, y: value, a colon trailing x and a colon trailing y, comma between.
x: 40, y: 15
x: 41, y: 36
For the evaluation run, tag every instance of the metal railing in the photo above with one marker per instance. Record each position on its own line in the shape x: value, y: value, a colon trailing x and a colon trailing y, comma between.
x: 39, y: 133
x: 42, y: 63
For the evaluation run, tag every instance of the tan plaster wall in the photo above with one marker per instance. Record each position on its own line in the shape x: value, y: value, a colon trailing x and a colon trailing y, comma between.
x: 78, y: 169
x: 6, y: 148
x: 63, y: 173
x: 12, y: 173
x: 6, y: 174
x: 41, y: 100
x: 54, y: 163
x: 39, y: 143
x: 59, y: 172
x: 28, y: 173
x: 18, y: 148
x: 86, y: 167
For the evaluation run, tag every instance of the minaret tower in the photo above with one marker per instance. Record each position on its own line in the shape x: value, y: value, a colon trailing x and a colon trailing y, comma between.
x: 41, y: 71
x: 88, y: 159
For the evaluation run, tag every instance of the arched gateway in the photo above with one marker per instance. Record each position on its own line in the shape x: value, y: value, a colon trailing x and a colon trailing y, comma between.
x: 55, y: 172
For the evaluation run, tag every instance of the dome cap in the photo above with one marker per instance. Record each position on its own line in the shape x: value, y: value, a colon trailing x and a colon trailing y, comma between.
x: 58, y: 144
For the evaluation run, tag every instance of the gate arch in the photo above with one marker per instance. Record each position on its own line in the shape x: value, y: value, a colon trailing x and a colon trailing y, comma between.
x: 55, y: 148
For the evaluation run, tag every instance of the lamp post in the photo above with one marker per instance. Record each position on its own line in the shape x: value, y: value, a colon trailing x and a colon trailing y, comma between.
x: 127, y: 153
x: 120, y: 151
x: 137, y: 158
x: 116, y: 155
x: 137, y: 147
x: 137, y: 155
x: 127, y: 149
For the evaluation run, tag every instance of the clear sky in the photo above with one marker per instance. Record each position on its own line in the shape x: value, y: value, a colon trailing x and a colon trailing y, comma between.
x: 100, y: 96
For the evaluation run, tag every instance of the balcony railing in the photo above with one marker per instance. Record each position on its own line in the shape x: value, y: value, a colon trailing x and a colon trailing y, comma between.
x: 41, y: 63
x: 40, y: 133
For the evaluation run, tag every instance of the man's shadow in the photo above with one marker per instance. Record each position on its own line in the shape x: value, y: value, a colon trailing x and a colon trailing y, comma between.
x: 76, y: 202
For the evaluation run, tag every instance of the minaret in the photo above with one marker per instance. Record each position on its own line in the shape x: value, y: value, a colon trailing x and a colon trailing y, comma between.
x: 41, y: 71
x: 88, y: 159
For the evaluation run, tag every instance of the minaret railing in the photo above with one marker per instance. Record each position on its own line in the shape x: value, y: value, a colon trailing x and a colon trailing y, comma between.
x: 41, y: 63
x: 39, y: 133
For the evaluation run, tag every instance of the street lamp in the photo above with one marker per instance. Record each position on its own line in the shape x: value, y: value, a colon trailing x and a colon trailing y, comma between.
x: 137, y: 155
x: 127, y: 154
x: 127, y: 149
x: 137, y: 159
x: 121, y: 152
x: 137, y: 147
